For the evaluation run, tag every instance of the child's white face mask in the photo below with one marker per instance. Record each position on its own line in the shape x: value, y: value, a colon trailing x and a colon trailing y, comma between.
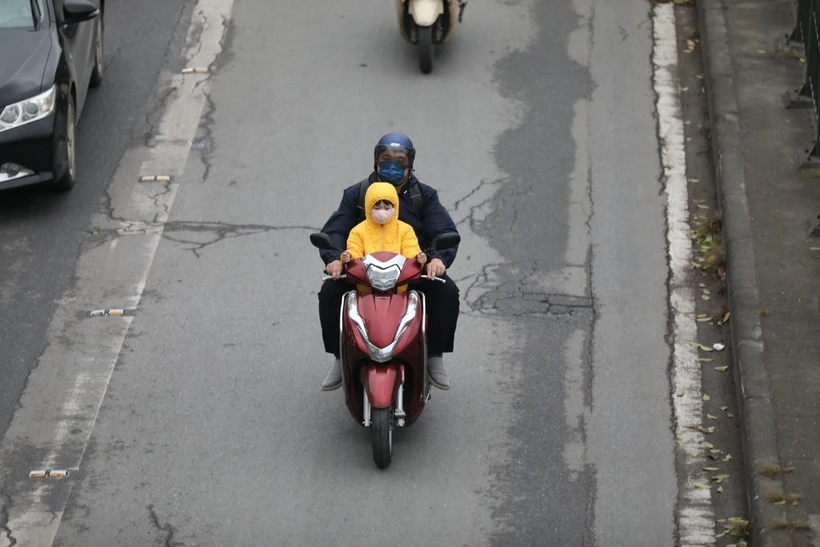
x: 382, y: 216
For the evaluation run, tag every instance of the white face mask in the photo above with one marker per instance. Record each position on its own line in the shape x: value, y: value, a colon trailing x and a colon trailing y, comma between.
x: 382, y: 216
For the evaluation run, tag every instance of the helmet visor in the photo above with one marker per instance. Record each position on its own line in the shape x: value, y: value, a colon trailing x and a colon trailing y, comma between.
x: 395, y: 152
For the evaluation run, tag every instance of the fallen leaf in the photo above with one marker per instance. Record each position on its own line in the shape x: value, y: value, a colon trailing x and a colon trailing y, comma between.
x: 781, y: 502
x: 727, y: 457
x: 708, y: 445
x: 703, y: 319
x: 705, y: 297
x: 680, y: 394
x: 814, y: 248
x: 710, y: 469
x: 711, y: 417
x: 722, y: 369
x: 704, y: 486
x: 720, y: 489
x: 726, y: 317
x: 724, y: 408
x: 716, y: 451
x: 761, y: 51
x: 684, y: 89
x: 710, y: 430
x: 706, y: 398
x: 693, y: 179
x: 700, y: 346
x: 707, y: 291
x: 720, y: 478
x: 705, y: 359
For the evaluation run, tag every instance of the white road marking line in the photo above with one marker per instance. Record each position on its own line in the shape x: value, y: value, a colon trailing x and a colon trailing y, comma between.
x: 696, y: 515
x: 53, y: 423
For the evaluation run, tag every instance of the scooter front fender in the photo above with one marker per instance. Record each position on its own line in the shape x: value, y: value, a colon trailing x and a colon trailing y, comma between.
x: 381, y: 383
x: 425, y: 12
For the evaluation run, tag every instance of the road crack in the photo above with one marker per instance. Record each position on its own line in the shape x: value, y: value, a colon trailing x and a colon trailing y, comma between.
x: 166, y: 528
x: 5, y: 504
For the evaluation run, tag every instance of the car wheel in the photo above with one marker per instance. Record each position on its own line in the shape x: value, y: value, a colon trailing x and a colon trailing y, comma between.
x: 97, y: 71
x: 66, y: 150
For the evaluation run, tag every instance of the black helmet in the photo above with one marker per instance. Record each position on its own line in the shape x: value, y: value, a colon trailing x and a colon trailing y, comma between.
x: 398, y: 142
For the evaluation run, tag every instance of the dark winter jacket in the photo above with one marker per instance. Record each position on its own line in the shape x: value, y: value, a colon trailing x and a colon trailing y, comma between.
x: 427, y: 224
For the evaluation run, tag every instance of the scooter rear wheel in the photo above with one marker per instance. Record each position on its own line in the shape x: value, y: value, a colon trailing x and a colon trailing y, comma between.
x: 426, y: 49
x: 381, y: 433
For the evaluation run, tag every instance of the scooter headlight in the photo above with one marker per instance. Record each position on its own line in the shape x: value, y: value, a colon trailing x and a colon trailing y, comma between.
x: 383, y: 279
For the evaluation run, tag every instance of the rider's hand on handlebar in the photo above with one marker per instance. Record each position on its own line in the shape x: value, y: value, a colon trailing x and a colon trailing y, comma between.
x: 345, y: 257
x: 435, y: 269
x: 421, y: 258
x: 334, y: 269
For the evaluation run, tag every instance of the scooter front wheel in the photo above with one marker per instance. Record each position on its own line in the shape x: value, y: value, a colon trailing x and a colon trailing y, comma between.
x: 426, y: 49
x: 381, y: 433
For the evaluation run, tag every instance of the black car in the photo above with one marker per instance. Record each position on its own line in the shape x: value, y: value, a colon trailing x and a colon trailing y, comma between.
x: 51, y: 52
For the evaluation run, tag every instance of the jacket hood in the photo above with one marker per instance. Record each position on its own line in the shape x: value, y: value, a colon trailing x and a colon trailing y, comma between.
x: 381, y: 191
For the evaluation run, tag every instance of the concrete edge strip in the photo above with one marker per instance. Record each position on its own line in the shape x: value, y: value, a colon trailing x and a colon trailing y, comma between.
x: 758, y: 431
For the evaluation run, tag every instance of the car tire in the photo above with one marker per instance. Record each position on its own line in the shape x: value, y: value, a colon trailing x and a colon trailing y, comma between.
x: 65, y: 149
x: 97, y: 71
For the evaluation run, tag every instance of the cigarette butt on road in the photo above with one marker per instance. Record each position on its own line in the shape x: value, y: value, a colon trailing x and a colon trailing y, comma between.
x: 193, y: 70
x: 156, y: 178
x: 50, y: 473
x: 102, y: 313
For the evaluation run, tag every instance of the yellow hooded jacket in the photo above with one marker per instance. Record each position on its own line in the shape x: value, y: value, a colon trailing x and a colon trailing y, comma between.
x: 370, y: 237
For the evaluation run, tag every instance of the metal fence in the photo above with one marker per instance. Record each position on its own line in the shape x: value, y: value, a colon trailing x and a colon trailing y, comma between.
x: 807, y: 38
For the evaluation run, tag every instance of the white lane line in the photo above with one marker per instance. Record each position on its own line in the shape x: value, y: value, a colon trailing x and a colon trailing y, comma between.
x: 59, y: 422
x: 696, y: 514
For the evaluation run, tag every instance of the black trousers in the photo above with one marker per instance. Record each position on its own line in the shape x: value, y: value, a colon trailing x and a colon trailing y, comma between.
x: 442, y: 313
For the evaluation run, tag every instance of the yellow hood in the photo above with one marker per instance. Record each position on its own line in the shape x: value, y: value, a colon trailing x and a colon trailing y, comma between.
x: 381, y: 191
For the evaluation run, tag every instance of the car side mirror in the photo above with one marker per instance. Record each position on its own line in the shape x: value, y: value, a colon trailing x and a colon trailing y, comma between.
x: 323, y: 242
x: 78, y: 11
x: 446, y: 241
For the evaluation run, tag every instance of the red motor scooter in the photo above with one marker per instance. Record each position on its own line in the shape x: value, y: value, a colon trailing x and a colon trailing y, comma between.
x: 383, y: 330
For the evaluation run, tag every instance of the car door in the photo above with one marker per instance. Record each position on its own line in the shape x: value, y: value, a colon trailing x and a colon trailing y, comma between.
x: 77, y: 39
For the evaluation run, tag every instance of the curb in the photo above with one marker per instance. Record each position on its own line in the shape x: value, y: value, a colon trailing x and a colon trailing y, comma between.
x: 758, y: 430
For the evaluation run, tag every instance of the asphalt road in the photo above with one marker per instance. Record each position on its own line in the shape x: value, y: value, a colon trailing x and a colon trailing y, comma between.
x: 197, y: 419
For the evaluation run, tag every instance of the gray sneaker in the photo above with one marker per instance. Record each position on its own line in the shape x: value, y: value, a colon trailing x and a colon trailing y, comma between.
x: 435, y: 370
x: 334, y: 377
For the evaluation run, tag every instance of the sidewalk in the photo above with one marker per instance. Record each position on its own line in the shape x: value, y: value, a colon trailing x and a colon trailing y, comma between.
x: 773, y: 272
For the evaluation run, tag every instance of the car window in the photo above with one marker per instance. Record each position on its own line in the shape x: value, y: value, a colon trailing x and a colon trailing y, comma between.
x: 18, y: 13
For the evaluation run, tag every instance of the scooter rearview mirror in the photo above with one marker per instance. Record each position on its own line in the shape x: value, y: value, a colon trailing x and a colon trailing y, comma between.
x: 323, y: 242
x: 446, y: 241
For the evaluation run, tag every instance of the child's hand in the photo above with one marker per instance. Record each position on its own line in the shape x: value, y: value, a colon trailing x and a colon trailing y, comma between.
x: 421, y: 259
x: 345, y: 258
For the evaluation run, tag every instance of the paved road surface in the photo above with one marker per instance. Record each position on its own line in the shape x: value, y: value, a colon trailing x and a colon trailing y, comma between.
x: 197, y: 419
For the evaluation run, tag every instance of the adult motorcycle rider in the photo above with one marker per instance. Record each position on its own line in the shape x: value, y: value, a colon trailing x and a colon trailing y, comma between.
x: 393, y: 159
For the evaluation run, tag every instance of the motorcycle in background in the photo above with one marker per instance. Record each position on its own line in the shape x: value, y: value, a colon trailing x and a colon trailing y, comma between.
x: 428, y: 22
x: 383, y: 349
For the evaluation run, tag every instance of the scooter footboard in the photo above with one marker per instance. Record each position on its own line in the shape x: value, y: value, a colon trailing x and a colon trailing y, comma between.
x: 381, y: 383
